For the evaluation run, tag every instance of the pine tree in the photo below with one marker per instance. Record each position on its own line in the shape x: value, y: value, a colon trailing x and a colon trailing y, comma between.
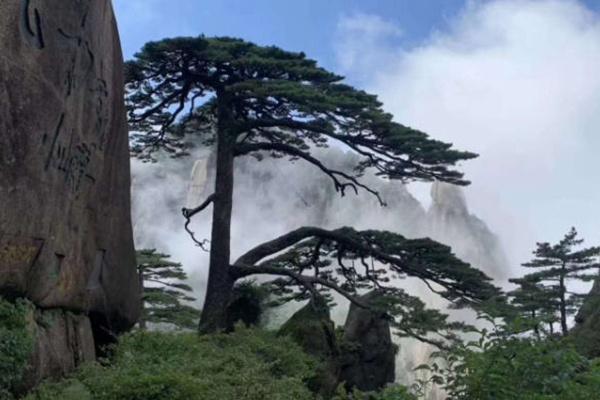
x: 263, y: 101
x: 164, y: 294
x: 535, y: 302
x: 559, y: 263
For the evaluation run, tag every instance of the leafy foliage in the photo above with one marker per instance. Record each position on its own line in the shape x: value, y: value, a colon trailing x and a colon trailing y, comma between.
x: 501, y: 365
x: 244, y: 365
x: 164, y: 291
x: 395, y: 392
x: 16, y: 344
x: 248, y: 304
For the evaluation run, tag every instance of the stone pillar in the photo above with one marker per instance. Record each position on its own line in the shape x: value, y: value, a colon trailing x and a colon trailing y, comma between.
x: 65, y: 227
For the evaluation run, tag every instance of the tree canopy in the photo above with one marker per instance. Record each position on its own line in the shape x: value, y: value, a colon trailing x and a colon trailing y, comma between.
x: 556, y: 265
x: 165, y: 296
x: 535, y: 302
x: 246, y: 99
x: 273, y: 101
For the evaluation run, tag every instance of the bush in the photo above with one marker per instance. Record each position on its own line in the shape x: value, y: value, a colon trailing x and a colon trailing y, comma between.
x: 247, y: 365
x: 513, y: 368
x: 16, y: 344
x: 395, y: 392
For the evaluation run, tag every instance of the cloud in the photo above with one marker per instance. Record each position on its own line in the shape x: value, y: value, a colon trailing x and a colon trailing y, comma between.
x: 516, y: 82
x: 359, y: 39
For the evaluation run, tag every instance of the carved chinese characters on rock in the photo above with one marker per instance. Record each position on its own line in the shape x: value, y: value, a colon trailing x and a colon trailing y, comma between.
x: 71, y: 147
x: 31, y: 24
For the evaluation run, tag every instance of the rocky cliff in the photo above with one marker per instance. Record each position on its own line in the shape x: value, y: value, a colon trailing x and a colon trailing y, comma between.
x: 586, y: 333
x: 449, y: 221
x: 65, y: 233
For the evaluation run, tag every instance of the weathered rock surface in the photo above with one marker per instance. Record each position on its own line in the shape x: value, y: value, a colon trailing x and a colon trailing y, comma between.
x: 312, y: 328
x: 586, y: 333
x: 65, y: 230
x: 63, y: 340
x: 450, y: 222
x: 369, y: 355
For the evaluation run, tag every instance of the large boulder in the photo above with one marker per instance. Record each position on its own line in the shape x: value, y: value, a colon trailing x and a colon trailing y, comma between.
x: 312, y: 328
x: 369, y: 355
x: 65, y: 231
x: 586, y: 333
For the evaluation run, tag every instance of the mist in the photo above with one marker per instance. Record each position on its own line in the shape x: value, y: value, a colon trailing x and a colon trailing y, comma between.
x: 500, y: 80
x: 517, y: 83
x: 274, y: 196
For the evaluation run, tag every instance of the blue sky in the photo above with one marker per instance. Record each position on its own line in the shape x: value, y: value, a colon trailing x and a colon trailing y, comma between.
x: 305, y: 25
x: 514, y: 80
x: 300, y: 25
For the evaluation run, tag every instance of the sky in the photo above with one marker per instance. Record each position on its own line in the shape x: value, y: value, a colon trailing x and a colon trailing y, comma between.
x: 515, y: 81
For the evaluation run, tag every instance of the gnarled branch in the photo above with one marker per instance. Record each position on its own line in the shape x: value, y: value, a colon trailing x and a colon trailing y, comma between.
x: 189, y: 213
x: 352, y: 182
x: 424, y: 259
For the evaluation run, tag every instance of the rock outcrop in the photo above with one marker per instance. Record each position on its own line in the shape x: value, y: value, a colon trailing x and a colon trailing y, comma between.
x: 312, y: 328
x: 368, y: 353
x: 450, y: 222
x: 586, y: 334
x: 65, y: 231
x: 63, y: 340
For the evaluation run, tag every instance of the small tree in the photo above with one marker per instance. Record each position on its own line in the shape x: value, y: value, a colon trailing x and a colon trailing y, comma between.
x: 264, y: 101
x: 535, y: 302
x: 557, y: 265
x: 163, y: 292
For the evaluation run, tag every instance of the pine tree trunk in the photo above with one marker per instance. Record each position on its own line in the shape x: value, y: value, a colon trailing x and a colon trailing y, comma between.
x: 220, y: 282
x: 536, y: 328
x: 142, y: 321
x: 563, y: 304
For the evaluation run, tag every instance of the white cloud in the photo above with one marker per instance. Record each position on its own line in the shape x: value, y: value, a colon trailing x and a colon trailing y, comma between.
x: 519, y: 83
x: 359, y: 40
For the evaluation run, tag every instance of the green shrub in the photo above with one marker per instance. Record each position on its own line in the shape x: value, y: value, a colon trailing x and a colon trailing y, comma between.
x: 246, y: 365
x: 517, y: 368
x: 16, y: 344
x: 395, y: 392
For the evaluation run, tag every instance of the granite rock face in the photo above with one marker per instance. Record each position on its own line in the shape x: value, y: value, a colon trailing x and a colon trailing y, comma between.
x: 65, y: 232
x: 450, y: 222
x: 586, y: 333
x: 312, y: 328
x: 63, y: 340
x: 369, y: 357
